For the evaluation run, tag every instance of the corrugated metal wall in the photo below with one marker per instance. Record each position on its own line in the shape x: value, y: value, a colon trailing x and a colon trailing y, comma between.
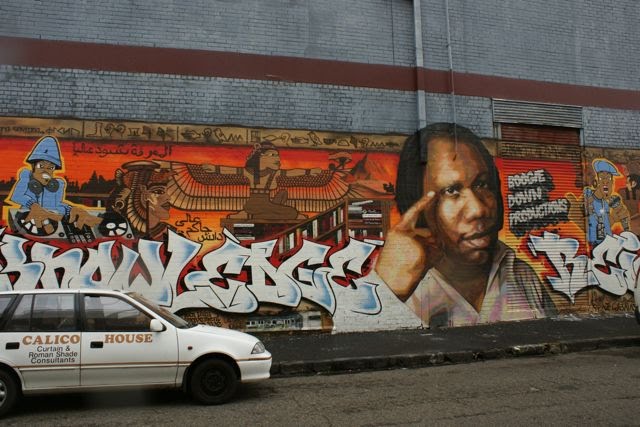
x: 538, y: 206
x: 541, y: 165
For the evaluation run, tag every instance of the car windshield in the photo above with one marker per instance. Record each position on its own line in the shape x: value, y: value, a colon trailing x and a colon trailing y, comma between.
x: 170, y: 317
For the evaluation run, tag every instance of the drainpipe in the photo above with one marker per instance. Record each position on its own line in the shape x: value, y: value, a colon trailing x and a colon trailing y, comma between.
x: 451, y: 73
x: 420, y: 84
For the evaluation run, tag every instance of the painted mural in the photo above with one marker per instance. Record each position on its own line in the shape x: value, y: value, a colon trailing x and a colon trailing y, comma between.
x: 271, y: 229
x: 613, y: 237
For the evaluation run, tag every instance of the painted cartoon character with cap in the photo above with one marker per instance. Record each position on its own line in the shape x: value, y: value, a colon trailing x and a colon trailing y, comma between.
x: 604, y: 207
x: 39, y: 193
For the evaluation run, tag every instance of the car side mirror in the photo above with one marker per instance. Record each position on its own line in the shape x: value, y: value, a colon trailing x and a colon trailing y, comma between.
x: 156, y: 326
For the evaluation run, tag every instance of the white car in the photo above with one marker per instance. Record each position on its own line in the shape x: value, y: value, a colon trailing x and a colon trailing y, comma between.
x: 90, y: 339
x: 636, y: 295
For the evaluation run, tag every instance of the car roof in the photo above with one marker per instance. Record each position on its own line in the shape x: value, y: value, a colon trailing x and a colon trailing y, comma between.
x: 62, y: 291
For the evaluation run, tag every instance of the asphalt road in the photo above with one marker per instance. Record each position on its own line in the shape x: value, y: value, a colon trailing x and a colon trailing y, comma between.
x: 594, y: 388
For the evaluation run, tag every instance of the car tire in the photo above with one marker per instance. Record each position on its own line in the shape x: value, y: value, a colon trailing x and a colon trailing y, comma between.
x: 9, y: 392
x: 213, y: 382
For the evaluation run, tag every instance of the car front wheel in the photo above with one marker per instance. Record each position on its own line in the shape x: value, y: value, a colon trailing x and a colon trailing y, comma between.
x: 8, y: 392
x: 213, y: 382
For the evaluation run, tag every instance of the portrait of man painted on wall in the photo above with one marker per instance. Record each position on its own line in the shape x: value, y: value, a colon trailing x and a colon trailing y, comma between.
x: 40, y: 195
x: 604, y: 205
x: 444, y: 258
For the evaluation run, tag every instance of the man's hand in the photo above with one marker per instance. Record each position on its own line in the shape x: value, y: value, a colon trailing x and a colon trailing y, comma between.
x: 619, y: 212
x: 79, y: 217
x: 408, y: 251
x: 42, y: 218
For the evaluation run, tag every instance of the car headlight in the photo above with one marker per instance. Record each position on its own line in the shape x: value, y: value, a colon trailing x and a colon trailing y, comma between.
x: 258, y: 348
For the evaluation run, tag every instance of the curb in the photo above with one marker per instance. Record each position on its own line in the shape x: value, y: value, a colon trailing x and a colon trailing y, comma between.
x: 423, y: 360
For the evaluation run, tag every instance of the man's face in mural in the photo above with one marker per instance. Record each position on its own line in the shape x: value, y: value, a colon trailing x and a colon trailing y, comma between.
x: 464, y: 217
x: 157, y: 201
x: 270, y: 159
x: 43, y: 171
x: 604, y: 184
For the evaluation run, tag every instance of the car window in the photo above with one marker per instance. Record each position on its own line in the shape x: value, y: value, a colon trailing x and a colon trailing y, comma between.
x: 21, y: 318
x: 106, y: 313
x: 170, y: 317
x: 5, y: 300
x: 53, y: 312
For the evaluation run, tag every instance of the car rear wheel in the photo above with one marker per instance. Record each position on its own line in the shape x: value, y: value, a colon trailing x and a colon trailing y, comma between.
x: 213, y: 382
x: 8, y: 392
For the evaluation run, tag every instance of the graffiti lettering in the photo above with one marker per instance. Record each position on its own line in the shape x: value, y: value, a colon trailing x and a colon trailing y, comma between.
x: 193, y: 225
x: 526, y: 197
x: 305, y: 274
x: 16, y: 262
x: 210, y: 236
x: 527, y: 179
x: 615, y: 263
x: 529, y: 204
x: 539, y: 216
x: 562, y: 253
x: 101, y: 151
x: 613, y: 267
x: 284, y: 285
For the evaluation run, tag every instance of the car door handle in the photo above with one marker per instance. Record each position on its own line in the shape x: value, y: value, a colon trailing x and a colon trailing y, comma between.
x: 96, y: 344
x: 12, y: 346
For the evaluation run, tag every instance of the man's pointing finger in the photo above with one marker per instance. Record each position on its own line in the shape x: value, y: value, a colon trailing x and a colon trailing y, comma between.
x: 411, y: 216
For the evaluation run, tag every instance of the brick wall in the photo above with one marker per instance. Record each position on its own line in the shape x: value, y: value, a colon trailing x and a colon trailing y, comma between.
x: 375, y: 31
x: 582, y: 42
x: 611, y: 128
x: 127, y: 96
x: 474, y: 112
x: 576, y: 42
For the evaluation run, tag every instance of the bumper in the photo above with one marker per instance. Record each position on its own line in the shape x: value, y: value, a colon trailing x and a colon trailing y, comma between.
x: 255, y: 369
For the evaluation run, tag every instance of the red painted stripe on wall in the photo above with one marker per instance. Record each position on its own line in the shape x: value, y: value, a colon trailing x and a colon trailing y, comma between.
x: 532, y: 90
x: 190, y: 62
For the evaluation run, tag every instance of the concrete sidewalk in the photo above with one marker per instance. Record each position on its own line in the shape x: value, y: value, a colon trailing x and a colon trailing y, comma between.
x: 323, y: 353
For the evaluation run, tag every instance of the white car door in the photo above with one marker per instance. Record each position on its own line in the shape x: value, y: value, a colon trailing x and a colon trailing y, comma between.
x: 118, y: 347
x: 42, y: 339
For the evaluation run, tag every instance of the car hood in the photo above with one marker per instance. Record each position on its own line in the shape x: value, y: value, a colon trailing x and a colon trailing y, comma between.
x: 225, y: 333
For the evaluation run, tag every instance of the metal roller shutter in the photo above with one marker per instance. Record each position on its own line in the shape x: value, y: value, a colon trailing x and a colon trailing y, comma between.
x: 563, y: 116
x: 541, y: 134
x: 536, y: 179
